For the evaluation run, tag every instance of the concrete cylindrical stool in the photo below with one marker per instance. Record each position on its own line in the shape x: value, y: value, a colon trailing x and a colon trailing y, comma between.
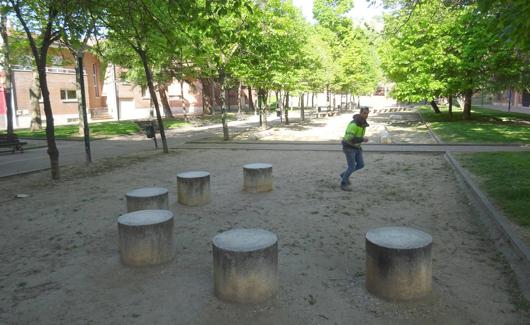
x: 193, y: 188
x: 147, y: 198
x: 146, y: 237
x: 257, y: 178
x: 245, y: 265
x: 398, y: 263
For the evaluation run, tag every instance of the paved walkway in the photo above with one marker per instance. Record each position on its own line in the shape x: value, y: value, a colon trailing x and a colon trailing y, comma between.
x: 334, y: 146
x: 207, y: 137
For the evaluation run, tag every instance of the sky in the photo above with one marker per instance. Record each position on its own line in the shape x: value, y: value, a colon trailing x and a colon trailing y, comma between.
x: 361, y: 10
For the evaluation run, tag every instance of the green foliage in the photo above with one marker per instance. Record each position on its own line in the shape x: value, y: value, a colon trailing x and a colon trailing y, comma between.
x: 512, y: 23
x: 331, y: 14
x: 433, y: 49
x: 320, y: 68
x: 272, y: 56
x: 352, y: 66
x: 358, y: 68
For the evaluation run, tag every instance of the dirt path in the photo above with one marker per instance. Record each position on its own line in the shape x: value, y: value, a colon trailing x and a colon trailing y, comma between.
x: 60, y: 263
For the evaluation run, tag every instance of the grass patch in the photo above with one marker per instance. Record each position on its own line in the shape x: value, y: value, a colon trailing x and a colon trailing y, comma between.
x: 505, y: 177
x: 485, y: 126
x: 116, y: 128
x: 97, y: 130
x: 174, y: 123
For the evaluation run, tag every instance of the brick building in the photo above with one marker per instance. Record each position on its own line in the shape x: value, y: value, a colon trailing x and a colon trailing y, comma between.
x: 108, y: 98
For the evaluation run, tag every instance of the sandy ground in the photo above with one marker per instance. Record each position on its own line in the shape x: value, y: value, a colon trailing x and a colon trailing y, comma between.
x: 60, y: 262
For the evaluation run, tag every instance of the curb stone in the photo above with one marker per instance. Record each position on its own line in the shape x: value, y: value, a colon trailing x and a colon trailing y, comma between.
x: 513, y: 248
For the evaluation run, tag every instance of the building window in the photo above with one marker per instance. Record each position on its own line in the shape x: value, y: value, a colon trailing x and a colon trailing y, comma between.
x: 68, y: 95
x: 145, y: 92
x: 95, y: 79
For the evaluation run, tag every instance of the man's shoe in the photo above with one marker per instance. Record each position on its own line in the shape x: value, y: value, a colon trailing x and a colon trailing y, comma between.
x: 347, y: 181
x: 346, y: 188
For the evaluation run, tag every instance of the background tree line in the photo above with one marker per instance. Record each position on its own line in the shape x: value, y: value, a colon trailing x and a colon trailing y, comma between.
x: 452, y: 49
x: 265, y: 45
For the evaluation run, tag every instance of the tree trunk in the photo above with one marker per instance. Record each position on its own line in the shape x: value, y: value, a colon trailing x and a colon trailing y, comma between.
x: 212, y: 93
x: 467, y: 104
x: 205, y: 100
x: 226, y: 135
x: 79, y: 75
x: 302, y: 112
x: 312, y: 99
x: 53, y: 153
x: 262, y: 104
x: 278, y: 105
x: 81, y: 96
x: 149, y: 77
x: 260, y: 107
x: 34, y: 99
x: 286, y: 108
x: 182, y: 99
x: 8, y: 74
x: 162, y: 91
x: 78, y: 95
x: 227, y: 98
x: 239, y: 88
x: 250, y: 101
x: 40, y: 60
x: 450, y: 106
x: 328, y: 98
x: 203, y: 97
x: 434, y: 106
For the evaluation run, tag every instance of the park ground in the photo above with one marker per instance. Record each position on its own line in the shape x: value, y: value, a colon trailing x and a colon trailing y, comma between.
x: 60, y: 260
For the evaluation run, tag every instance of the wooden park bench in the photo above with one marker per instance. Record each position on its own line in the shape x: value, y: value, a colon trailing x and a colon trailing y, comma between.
x: 323, y: 111
x: 11, y: 142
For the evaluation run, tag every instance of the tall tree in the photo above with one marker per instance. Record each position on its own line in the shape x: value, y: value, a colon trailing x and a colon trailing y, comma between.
x: 225, y: 26
x: 139, y: 25
x: 40, y: 18
x: 6, y: 67
x: 433, y: 49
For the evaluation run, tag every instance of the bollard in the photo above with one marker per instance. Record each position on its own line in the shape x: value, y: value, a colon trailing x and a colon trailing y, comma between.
x: 146, y: 237
x: 193, y: 188
x: 257, y: 178
x: 398, y: 263
x: 147, y: 198
x: 245, y: 265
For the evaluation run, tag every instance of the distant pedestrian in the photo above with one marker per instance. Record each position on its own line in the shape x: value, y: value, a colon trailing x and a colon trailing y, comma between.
x: 351, y: 145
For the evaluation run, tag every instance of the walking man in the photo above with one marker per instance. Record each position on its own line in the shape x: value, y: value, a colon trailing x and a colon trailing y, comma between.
x: 351, y: 145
